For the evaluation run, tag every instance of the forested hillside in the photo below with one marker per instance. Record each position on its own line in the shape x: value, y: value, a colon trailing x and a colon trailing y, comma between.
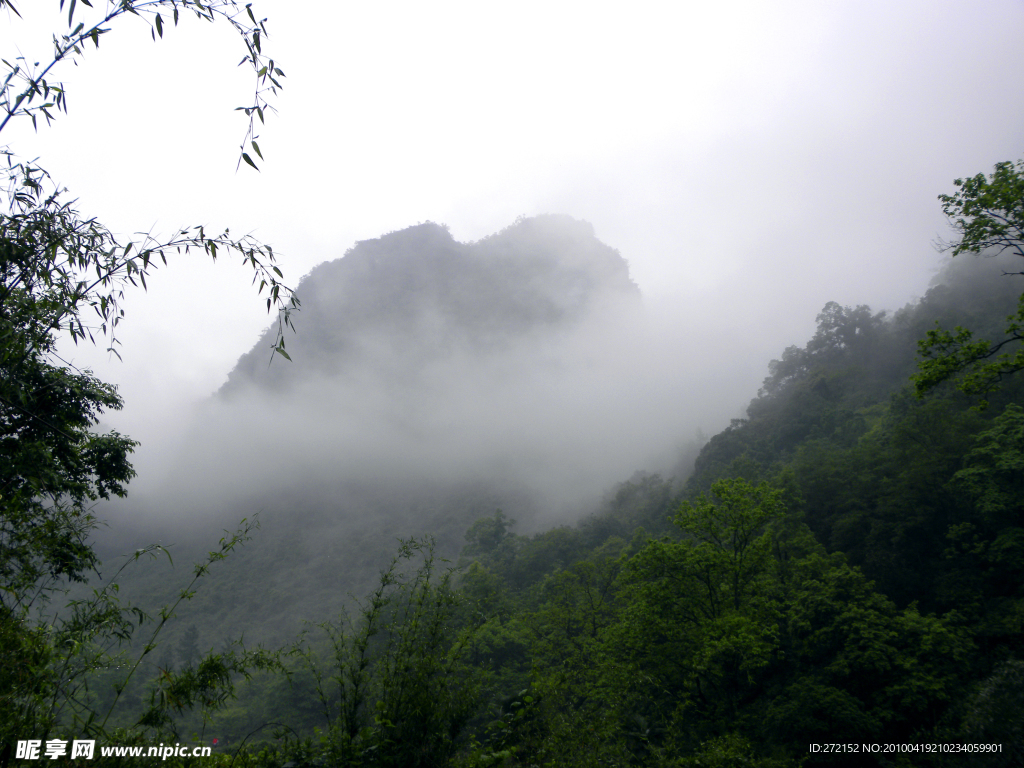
x: 842, y: 566
x: 430, y: 382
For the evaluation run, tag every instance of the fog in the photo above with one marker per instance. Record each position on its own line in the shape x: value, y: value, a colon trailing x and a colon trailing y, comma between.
x: 538, y: 391
x: 751, y: 163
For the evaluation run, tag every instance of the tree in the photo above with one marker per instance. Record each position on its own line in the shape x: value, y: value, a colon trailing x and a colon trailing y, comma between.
x: 994, y: 716
x: 744, y: 631
x: 73, y: 263
x: 985, y: 554
x: 188, y: 646
x: 56, y: 266
x: 398, y: 691
x: 700, y: 622
x: 988, y: 213
x: 62, y: 273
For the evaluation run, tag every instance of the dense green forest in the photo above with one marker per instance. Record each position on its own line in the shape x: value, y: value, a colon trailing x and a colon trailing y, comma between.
x: 843, y: 566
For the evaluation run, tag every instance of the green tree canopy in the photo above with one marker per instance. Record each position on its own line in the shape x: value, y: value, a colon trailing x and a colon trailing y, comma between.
x: 988, y: 214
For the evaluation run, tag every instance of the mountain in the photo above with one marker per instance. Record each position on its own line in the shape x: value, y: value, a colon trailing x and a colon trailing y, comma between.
x: 431, y: 383
x: 416, y: 296
x: 844, y: 561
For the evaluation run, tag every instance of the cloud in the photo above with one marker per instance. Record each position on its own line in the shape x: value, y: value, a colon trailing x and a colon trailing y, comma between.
x: 525, y: 363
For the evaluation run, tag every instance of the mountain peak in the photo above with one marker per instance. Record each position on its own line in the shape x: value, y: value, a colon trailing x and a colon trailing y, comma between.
x: 417, y: 294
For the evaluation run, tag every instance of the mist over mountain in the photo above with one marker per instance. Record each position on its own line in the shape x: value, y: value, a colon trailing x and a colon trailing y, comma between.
x: 415, y: 297
x: 410, y: 428
x: 421, y: 360
x: 431, y: 383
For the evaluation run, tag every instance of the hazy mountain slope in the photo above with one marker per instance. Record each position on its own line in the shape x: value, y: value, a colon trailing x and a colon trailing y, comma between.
x: 415, y: 296
x: 920, y: 497
x: 833, y: 387
x: 879, y: 474
x: 431, y: 383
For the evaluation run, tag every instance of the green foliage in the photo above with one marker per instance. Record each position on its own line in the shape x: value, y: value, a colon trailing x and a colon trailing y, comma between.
x: 993, y: 475
x: 52, y: 467
x: 988, y: 213
x: 209, y: 684
x: 995, y: 715
x: 55, y: 263
x: 647, y: 501
x: 491, y: 538
x: 796, y: 596
x: 795, y: 602
x: 958, y: 355
x: 744, y: 632
x: 727, y: 545
x: 728, y: 751
x: 64, y: 274
x: 205, y: 681
x: 56, y: 266
x: 69, y: 674
x: 396, y: 690
x: 856, y: 666
x: 27, y: 91
x: 699, y: 619
x: 984, y: 556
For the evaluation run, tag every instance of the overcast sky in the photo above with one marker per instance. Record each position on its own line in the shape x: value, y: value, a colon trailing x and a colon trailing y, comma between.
x: 750, y: 160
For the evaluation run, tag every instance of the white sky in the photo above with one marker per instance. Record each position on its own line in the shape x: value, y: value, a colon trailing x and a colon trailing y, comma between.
x: 751, y: 160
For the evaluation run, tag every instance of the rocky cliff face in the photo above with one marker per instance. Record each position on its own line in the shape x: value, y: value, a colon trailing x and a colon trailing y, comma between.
x: 412, y: 297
